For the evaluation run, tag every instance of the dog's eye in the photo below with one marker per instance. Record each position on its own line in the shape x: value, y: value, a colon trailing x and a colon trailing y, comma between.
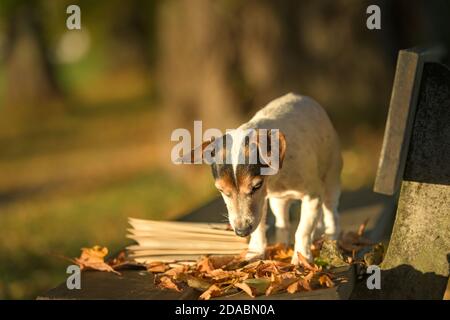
x: 227, y: 194
x: 256, y: 187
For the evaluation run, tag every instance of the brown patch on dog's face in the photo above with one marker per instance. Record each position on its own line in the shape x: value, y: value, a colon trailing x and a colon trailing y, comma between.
x: 248, y: 178
x: 224, y: 179
x: 243, y: 193
x: 242, y: 185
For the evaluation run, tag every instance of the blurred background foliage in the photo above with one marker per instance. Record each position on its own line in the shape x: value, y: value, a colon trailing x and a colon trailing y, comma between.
x: 86, y: 115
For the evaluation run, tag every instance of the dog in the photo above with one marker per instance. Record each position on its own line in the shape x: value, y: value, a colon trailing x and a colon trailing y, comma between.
x: 309, y: 169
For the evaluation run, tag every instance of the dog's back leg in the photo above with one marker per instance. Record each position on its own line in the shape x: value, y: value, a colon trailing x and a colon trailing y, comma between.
x: 330, y: 203
x: 280, y: 209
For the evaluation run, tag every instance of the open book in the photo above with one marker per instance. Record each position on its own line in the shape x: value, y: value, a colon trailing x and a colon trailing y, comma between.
x: 168, y: 241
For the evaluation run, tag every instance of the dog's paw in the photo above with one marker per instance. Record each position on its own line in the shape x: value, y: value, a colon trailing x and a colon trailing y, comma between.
x: 252, y: 255
x: 256, y: 248
x: 306, y: 253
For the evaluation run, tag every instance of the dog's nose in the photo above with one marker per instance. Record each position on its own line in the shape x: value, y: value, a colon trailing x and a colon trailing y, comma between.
x: 244, y: 231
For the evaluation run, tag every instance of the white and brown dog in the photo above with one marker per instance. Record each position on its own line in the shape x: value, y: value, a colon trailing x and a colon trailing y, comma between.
x: 310, y: 165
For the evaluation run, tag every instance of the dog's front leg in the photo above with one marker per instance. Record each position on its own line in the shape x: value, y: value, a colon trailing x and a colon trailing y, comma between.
x: 309, y: 217
x: 258, y: 239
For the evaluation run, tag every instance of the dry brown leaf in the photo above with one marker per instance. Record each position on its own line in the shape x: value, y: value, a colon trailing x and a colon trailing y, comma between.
x: 246, y: 288
x: 213, y: 291
x: 284, y: 254
x: 205, y: 265
x: 274, y: 250
x: 174, y: 272
x: 251, y: 267
x: 213, y: 275
x: 301, y: 284
x: 351, y: 241
x: 220, y: 275
x: 119, y: 260
x: 221, y: 261
x: 306, y: 281
x: 325, y: 280
x: 354, y: 241
x: 157, y: 267
x: 294, y: 287
x: 304, y: 262
x: 197, y: 283
x: 93, y: 258
x: 362, y: 227
x: 279, y: 285
x: 167, y: 283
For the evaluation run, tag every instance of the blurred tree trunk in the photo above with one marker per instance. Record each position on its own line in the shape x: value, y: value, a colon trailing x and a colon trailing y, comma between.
x: 30, y: 76
x: 218, y: 59
x: 221, y: 60
x: 197, y: 57
x: 130, y: 34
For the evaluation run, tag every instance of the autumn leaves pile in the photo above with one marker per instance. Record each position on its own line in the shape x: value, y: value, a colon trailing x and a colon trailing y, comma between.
x: 216, y: 276
x: 224, y: 275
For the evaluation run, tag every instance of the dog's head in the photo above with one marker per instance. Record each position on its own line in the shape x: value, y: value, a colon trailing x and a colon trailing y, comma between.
x: 241, y: 161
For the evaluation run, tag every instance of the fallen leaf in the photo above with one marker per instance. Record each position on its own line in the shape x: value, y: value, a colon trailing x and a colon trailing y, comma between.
x: 276, y: 250
x: 167, y: 283
x: 294, y: 287
x: 350, y: 241
x: 93, y: 258
x: 284, y: 254
x: 157, y: 267
x: 354, y: 241
x: 205, y: 265
x: 246, y: 288
x: 212, y: 291
x: 197, y: 283
x: 304, y: 262
x: 119, y: 260
x: 362, y: 227
x: 307, y: 280
x: 279, y: 285
x: 316, y: 246
x: 325, y: 280
x: 302, y: 283
x: 221, y: 261
x: 222, y: 275
x: 174, y: 272
x: 259, y: 286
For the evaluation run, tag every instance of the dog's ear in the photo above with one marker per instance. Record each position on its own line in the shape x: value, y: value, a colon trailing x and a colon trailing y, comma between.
x: 265, y: 147
x: 282, y: 147
x: 196, y: 154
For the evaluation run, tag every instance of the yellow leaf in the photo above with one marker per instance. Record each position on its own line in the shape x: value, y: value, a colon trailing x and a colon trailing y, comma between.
x: 325, y: 280
x: 157, y: 267
x: 93, y: 258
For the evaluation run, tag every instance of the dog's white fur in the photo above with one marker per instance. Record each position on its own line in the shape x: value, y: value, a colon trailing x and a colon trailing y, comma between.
x: 310, y: 173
